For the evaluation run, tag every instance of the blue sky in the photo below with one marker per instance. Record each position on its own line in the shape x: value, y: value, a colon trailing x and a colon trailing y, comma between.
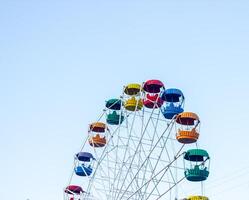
x: 59, y: 61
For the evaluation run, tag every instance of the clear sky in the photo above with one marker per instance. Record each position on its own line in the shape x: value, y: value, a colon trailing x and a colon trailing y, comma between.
x: 59, y: 61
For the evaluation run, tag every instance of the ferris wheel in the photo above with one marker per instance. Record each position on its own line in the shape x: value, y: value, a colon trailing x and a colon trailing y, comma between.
x: 143, y: 147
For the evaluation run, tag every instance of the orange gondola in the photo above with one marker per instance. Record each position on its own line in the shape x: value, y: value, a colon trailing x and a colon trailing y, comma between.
x: 97, y: 141
x: 97, y: 134
x: 188, y: 127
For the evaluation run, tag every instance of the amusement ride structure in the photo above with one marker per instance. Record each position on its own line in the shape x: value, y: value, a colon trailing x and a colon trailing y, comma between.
x: 143, y: 147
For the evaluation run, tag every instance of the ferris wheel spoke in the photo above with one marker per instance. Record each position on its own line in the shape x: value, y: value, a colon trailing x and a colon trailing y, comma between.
x: 162, y: 176
x: 155, y: 167
x: 127, y: 149
x: 158, y: 173
x: 102, y: 173
x: 116, y: 164
x: 169, y: 159
x: 143, y: 133
x: 126, y: 168
x: 148, y: 156
x: 148, y: 162
x: 170, y: 188
x: 174, y: 182
x: 141, y: 137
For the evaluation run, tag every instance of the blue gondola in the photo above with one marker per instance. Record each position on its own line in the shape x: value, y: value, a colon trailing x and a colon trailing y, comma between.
x: 83, y: 170
x: 174, y: 102
x: 83, y: 164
